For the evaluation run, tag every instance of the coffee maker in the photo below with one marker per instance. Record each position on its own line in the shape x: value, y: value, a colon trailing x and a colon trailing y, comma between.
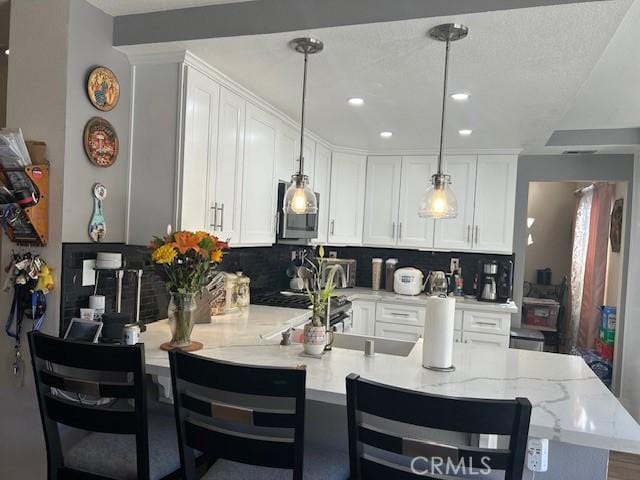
x: 495, y: 281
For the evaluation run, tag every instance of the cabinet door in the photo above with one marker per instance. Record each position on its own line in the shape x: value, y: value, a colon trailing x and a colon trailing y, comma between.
x: 455, y: 233
x: 258, y: 185
x: 495, y: 203
x: 199, y: 153
x: 227, y: 184
x: 364, y: 317
x: 381, y: 201
x: 414, y: 231
x: 309, y: 158
x: 346, y: 203
x: 322, y: 185
x: 286, y: 152
x: 396, y: 331
x: 501, y: 341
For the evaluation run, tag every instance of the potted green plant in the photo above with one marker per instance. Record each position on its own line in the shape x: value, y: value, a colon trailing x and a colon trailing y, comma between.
x: 315, y: 332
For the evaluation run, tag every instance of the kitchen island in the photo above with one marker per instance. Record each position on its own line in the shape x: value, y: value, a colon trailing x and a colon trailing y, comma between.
x: 571, y: 406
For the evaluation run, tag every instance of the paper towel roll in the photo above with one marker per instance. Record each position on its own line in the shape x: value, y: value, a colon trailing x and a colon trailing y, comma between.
x: 437, y: 346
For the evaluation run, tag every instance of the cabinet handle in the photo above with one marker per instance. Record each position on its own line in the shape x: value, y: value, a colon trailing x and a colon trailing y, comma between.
x: 476, y: 234
x: 487, y: 324
x: 393, y: 230
x: 468, y: 233
x: 399, y: 230
x: 333, y: 226
x: 278, y: 222
x: 214, y: 207
x: 222, y: 217
x: 396, y: 314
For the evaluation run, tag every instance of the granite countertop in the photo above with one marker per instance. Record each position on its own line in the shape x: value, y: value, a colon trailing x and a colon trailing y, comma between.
x: 360, y: 293
x: 570, y: 403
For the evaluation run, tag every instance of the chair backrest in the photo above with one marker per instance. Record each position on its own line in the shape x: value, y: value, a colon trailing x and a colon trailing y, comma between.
x: 247, y: 414
x: 66, y: 372
x: 394, y: 452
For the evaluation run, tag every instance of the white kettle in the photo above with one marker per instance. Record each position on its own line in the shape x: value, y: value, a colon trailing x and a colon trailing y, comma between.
x: 408, y: 281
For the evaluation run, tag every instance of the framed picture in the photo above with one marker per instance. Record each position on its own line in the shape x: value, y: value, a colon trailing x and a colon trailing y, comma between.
x: 103, y: 89
x: 615, y: 232
x: 101, y: 142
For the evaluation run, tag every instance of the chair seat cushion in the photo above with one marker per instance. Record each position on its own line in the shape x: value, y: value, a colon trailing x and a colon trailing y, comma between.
x: 319, y: 464
x: 115, y: 455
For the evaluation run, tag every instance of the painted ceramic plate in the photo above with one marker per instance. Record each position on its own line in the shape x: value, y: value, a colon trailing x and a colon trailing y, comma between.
x: 101, y: 142
x: 103, y: 89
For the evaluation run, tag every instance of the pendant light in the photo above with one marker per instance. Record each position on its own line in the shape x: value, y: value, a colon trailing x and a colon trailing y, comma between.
x: 438, y: 200
x: 299, y: 199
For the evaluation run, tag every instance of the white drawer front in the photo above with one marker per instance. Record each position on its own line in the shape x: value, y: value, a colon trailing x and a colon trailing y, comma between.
x: 399, y: 313
x: 487, y: 322
x: 486, y: 339
x: 398, y: 332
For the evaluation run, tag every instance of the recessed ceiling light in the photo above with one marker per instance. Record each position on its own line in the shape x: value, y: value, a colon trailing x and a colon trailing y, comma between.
x: 6, y: 52
x: 460, y: 96
x: 357, y: 101
x: 465, y: 132
x: 386, y: 134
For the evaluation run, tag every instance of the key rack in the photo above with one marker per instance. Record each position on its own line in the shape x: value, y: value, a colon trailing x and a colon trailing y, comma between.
x: 36, y: 216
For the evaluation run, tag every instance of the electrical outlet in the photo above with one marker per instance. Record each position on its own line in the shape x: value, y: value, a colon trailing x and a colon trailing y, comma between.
x: 88, y: 273
x: 538, y: 454
x: 455, y: 264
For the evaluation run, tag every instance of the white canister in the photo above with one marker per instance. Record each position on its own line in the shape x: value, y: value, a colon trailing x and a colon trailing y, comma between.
x: 97, y: 302
x: 437, y: 345
x: 130, y: 334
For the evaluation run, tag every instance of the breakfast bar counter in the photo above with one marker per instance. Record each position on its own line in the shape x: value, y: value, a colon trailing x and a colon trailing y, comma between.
x: 570, y: 404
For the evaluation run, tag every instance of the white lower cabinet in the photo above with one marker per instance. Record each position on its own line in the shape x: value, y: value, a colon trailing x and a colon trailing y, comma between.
x: 364, y: 317
x: 398, y: 331
x: 486, y: 339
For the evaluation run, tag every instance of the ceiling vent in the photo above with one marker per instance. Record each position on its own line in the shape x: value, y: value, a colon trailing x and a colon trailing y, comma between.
x: 579, y: 152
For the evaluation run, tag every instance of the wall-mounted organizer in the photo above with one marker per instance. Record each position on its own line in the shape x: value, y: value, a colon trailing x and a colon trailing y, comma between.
x: 26, y: 219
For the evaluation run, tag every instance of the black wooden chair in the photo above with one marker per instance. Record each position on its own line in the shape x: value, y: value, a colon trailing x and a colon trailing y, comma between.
x: 124, y: 442
x: 247, y: 420
x: 393, y: 451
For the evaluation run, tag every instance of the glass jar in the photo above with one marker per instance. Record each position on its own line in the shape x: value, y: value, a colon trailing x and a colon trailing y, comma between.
x: 181, y: 314
x: 232, y: 291
x: 389, y: 270
x: 242, y: 287
x: 376, y: 273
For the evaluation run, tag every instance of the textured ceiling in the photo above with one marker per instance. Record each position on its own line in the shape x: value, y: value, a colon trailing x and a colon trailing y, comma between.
x: 522, y: 67
x: 126, y: 7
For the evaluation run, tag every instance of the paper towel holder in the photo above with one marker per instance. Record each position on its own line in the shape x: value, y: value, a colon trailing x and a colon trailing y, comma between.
x: 452, y: 368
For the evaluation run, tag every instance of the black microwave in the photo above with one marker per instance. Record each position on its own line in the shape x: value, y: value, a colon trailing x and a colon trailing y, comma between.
x: 295, y: 227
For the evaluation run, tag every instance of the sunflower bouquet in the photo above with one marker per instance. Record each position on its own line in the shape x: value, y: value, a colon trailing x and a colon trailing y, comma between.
x: 188, y: 261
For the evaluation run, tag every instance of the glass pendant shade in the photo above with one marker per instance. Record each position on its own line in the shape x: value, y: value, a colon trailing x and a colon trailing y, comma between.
x: 299, y: 199
x: 438, y: 200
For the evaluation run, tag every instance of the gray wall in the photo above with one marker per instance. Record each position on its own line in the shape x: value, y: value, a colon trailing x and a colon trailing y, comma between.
x: 568, y: 168
x: 55, y: 43
x: 90, y: 40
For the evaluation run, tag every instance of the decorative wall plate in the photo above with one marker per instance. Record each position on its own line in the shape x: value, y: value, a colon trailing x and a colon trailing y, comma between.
x: 101, y: 142
x: 103, y: 89
x: 615, y: 232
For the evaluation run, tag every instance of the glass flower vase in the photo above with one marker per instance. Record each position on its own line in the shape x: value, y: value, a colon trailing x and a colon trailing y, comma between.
x: 181, y: 314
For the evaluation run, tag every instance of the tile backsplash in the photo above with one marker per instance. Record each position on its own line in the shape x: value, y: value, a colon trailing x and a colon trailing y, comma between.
x: 265, y: 266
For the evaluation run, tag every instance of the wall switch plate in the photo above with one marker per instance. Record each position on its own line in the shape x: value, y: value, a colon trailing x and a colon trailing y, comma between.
x: 454, y: 265
x: 88, y: 273
x: 538, y: 454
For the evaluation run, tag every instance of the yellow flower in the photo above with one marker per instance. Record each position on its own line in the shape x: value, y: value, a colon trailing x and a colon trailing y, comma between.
x: 216, y: 256
x: 164, y: 254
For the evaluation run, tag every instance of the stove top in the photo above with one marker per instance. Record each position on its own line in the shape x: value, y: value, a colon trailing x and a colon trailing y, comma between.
x: 295, y: 300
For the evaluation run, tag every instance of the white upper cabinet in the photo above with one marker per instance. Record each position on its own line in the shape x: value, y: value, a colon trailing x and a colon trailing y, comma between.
x: 414, y: 231
x: 258, y: 185
x: 381, y: 201
x: 456, y: 233
x: 495, y: 203
x: 226, y: 184
x: 199, y: 153
x: 346, y: 209
x: 287, y: 145
x: 322, y: 185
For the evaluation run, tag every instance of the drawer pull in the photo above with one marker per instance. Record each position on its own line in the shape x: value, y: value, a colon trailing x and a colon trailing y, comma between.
x: 396, y: 314
x: 487, y: 324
